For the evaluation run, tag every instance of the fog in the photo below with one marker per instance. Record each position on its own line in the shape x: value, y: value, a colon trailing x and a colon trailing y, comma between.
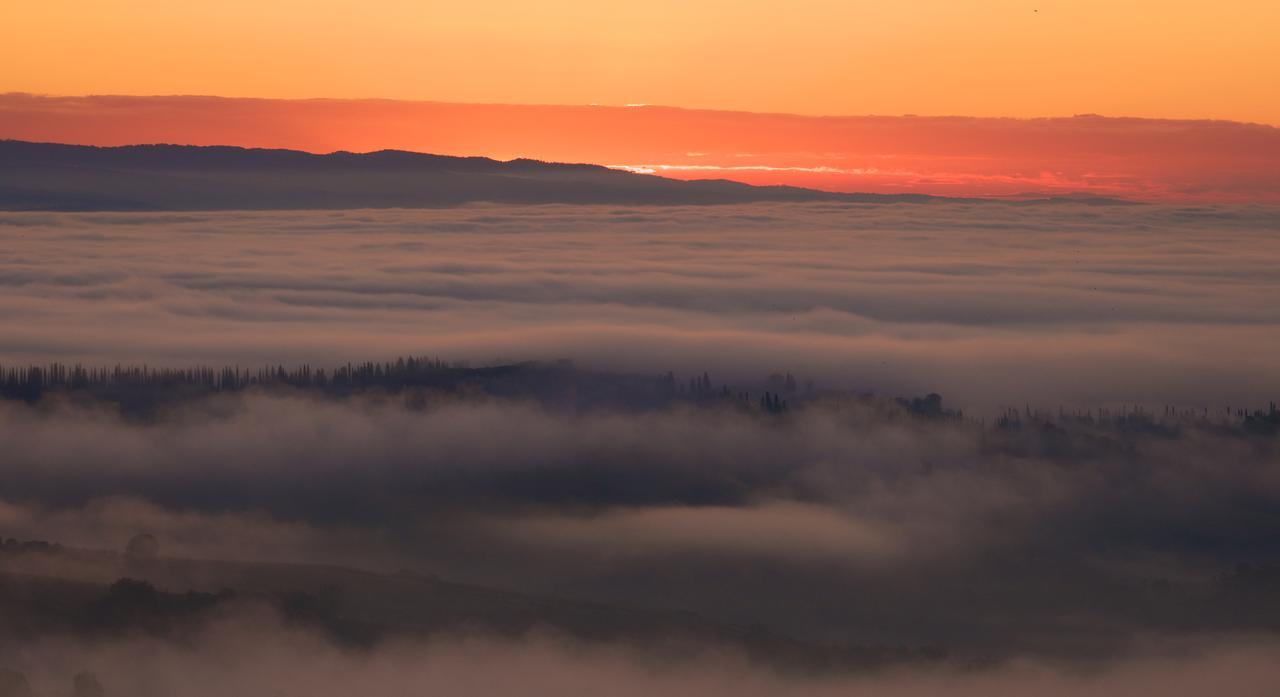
x: 597, y: 526
x: 250, y: 653
x: 841, y: 520
x: 989, y: 304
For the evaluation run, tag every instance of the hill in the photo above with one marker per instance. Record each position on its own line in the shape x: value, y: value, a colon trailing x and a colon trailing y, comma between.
x: 50, y: 176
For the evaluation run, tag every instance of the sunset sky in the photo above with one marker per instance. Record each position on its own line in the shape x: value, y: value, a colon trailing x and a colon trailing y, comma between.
x: 1170, y: 59
x: 691, y: 348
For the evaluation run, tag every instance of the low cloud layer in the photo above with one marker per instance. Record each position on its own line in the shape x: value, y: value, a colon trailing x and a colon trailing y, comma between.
x: 1053, y: 556
x: 251, y: 653
x: 845, y: 521
x: 988, y: 304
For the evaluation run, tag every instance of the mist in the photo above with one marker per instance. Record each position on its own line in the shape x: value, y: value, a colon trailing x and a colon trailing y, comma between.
x: 984, y: 448
x: 1151, y: 304
x: 858, y: 519
x: 252, y: 653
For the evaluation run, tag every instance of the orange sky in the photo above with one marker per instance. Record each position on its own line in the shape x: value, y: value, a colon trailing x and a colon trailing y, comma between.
x: 1151, y: 58
x: 435, y: 76
x: 1143, y: 159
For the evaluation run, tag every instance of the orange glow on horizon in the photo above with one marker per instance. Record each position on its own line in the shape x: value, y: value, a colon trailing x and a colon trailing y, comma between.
x: 1140, y: 159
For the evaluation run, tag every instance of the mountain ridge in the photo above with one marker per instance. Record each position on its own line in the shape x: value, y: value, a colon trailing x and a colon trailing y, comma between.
x: 168, y: 177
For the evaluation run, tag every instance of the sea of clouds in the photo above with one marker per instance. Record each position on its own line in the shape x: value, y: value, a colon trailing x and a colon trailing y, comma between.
x: 838, y: 522
x: 988, y: 304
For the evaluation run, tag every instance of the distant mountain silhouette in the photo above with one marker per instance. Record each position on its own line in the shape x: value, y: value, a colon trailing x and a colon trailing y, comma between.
x: 48, y: 176
x: 51, y: 176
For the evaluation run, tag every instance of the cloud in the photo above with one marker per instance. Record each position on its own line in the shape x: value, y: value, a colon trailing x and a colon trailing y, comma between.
x: 844, y: 522
x: 109, y: 523
x: 248, y: 652
x: 780, y: 531
x: 1128, y: 304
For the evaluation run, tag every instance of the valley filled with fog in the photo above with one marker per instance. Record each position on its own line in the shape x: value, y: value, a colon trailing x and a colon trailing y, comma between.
x: 990, y: 304
x: 813, y: 448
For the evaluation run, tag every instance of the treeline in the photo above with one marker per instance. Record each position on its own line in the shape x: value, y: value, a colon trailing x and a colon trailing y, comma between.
x: 145, y: 388
x: 32, y: 381
x: 1136, y: 418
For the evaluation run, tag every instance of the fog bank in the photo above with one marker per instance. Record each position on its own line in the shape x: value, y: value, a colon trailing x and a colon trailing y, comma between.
x: 989, y: 304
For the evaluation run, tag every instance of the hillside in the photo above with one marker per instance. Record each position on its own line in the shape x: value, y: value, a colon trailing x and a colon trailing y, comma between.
x: 47, y: 176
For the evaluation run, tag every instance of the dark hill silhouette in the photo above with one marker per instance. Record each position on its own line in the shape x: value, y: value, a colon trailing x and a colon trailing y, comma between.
x: 51, y: 176
x: 48, y: 176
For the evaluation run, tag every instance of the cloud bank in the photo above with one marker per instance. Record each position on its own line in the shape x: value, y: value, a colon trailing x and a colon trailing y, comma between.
x: 990, y: 305
x: 842, y: 522
x: 249, y: 653
x: 1074, y: 557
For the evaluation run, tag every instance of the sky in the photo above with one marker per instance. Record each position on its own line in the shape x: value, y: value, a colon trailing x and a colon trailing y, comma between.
x: 1014, y: 58
x: 1139, y: 159
x: 762, y: 92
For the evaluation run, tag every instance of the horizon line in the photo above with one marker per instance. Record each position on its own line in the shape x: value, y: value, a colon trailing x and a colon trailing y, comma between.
x: 637, y: 170
x: 648, y: 106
